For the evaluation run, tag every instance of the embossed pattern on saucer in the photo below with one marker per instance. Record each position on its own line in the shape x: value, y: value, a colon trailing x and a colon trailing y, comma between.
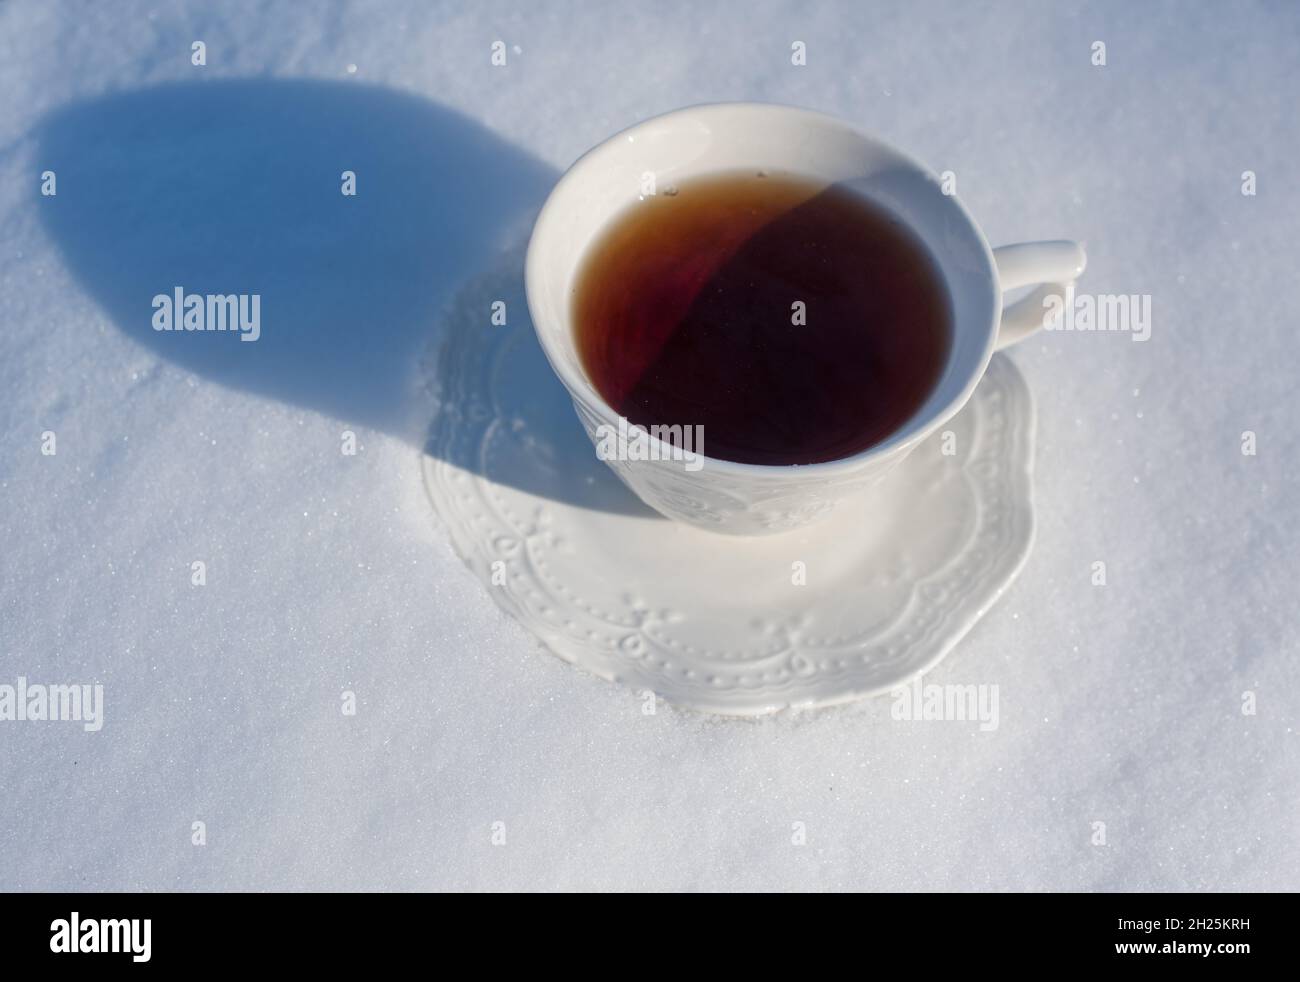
x: 891, y: 581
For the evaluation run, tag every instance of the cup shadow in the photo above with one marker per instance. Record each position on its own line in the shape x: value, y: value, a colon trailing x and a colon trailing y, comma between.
x: 501, y: 412
x: 236, y: 187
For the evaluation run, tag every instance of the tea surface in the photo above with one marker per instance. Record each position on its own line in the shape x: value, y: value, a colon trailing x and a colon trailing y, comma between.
x: 794, y: 322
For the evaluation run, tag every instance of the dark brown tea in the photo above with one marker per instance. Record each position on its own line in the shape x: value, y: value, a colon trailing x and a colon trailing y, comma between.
x: 794, y: 322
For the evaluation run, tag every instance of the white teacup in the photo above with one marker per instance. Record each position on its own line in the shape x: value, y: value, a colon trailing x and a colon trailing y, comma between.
x: 756, y: 499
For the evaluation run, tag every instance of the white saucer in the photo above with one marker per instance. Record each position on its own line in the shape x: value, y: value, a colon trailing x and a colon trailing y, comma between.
x: 709, y: 622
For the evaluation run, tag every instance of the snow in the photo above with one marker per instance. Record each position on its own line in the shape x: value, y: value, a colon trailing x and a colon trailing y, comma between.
x: 327, y: 574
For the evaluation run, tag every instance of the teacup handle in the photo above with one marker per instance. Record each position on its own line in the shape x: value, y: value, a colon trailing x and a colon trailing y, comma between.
x: 1055, y: 265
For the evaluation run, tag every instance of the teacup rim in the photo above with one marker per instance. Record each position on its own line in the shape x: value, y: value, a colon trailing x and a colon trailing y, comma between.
x: 906, y: 435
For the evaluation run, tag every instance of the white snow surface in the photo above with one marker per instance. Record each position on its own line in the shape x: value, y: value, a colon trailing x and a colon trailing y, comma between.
x: 1120, y: 704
